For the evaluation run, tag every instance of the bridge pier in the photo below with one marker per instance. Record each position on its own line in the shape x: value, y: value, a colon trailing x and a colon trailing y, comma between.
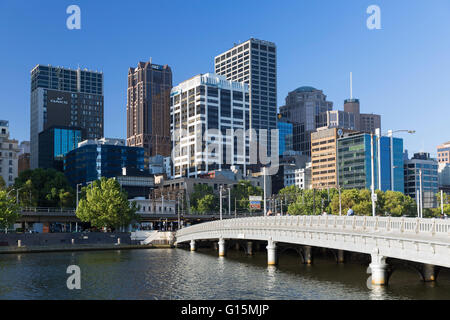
x: 308, y: 254
x: 193, y: 247
x: 429, y: 273
x: 340, y: 256
x: 221, y: 247
x: 378, y: 268
x: 249, y: 248
x: 271, y: 252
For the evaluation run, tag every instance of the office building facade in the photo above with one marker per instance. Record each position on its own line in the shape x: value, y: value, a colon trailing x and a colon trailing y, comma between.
x: 421, y: 169
x: 354, y: 163
x: 54, y: 143
x: 148, y: 108
x: 9, y: 155
x: 206, y: 111
x: 443, y: 152
x: 65, y: 97
x: 323, y: 157
x: 285, y: 137
x: 98, y: 158
x: 254, y: 62
x: 302, y: 107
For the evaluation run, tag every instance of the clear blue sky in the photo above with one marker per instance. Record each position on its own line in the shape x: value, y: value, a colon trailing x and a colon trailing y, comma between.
x: 401, y: 72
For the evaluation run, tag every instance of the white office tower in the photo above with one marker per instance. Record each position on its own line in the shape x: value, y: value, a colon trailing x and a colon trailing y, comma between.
x: 209, y: 118
x: 254, y: 63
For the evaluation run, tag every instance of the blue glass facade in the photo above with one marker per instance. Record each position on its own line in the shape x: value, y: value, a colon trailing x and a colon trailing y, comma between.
x: 285, y: 131
x: 55, y: 143
x: 93, y: 161
x: 355, y: 168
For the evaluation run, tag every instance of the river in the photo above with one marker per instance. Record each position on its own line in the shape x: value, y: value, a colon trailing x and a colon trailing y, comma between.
x: 180, y: 274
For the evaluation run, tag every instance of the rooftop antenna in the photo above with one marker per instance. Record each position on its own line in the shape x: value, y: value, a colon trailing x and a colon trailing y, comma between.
x: 351, y: 86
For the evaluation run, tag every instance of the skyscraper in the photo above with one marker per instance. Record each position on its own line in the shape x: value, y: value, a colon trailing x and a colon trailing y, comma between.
x: 302, y: 107
x: 443, y: 152
x: 148, y: 108
x: 214, y: 114
x: 65, y: 97
x: 254, y: 62
x: 9, y: 151
x: 355, y: 165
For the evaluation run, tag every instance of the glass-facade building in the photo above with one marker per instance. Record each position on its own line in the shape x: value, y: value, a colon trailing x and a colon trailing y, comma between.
x: 65, y: 97
x: 354, y: 162
x: 55, y: 143
x: 285, y: 130
x: 94, y: 159
x: 422, y: 164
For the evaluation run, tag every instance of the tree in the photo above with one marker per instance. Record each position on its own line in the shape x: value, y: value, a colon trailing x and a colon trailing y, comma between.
x: 106, y: 205
x: 446, y: 198
x: 45, y: 188
x: 397, y: 204
x: 203, y: 199
x: 9, y: 210
x: 242, y: 191
x: 2, y: 183
x: 206, y: 204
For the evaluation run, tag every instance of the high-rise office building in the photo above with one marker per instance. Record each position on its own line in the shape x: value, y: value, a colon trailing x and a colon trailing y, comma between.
x: 212, y: 112
x: 98, y: 158
x: 148, y: 108
x: 254, y: 62
x: 355, y: 165
x: 24, y: 157
x: 54, y: 143
x: 323, y: 157
x: 302, y: 107
x: 9, y: 152
x: 285, y: 135
x: 443, y: 152
x: 422, y: 171
x: 364, y: 122
x: 65, y: 97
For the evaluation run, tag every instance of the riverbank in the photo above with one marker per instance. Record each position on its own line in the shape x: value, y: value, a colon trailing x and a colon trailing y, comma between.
x: 83, y: 247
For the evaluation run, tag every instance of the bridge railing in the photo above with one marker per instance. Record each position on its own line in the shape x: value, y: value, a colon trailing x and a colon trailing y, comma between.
x: 429, y: 227
x: 47, y: 210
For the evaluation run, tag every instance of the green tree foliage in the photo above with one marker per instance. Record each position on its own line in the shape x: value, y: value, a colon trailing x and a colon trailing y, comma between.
x: 2, y: 183
x: 106, y: 205
x: 437, y: 212
x: 241, y: 192
x: 44, y: 188
x: 311, y: 202
x: 9, y: 210
x: 202, y: 199
x: 397, y: 204
x: 206, y: 204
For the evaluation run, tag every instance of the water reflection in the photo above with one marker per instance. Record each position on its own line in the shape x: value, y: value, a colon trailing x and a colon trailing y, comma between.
x: 180, y: 274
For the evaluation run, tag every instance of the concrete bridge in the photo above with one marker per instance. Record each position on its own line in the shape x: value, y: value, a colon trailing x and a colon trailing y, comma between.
x: 423, y: 241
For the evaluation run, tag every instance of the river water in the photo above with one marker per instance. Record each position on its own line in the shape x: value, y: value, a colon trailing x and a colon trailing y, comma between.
x: 180, y: 274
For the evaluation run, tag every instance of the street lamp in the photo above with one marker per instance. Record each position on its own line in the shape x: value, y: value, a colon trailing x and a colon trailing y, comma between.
x: 389, y: 134
x: 220, y: 196
x: 379, y: 135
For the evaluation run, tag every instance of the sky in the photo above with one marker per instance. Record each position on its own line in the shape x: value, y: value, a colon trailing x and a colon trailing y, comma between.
x: 401, y: 71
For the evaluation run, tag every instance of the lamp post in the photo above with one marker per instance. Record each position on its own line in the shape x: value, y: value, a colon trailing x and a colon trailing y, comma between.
x: 265, y: 208
x: 229, y: 201
x: 220, y: 196
x: 378, y: 137
x: 389, y: 134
